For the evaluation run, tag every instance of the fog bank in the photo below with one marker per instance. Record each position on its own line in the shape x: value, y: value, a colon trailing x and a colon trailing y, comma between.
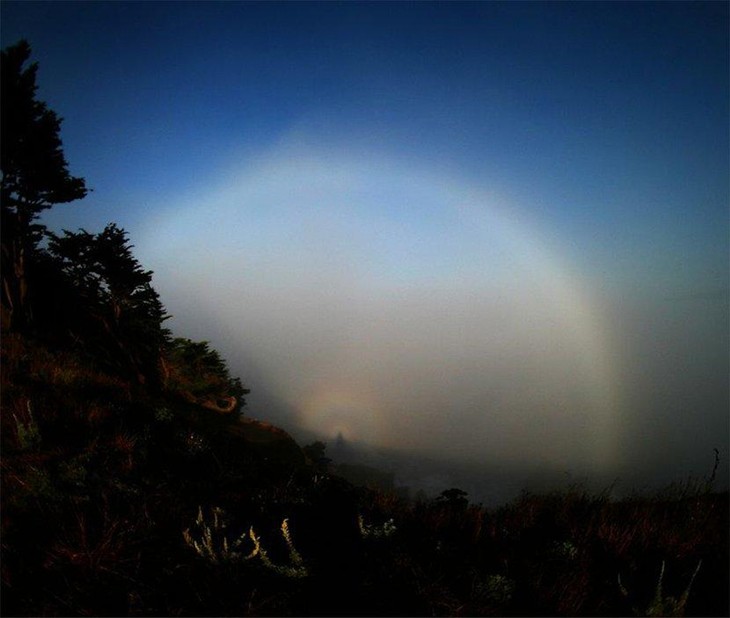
x: 412, y: 313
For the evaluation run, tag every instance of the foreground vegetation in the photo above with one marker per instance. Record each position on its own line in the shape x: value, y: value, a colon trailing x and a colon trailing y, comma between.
x: 117, y: 501
x: 133, y: 485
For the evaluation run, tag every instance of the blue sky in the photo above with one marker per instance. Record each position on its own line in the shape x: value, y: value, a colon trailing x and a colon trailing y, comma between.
x: 405, y: 151
x: 610, y: 116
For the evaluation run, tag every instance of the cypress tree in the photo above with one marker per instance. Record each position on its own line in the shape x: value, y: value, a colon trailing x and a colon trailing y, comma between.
x: 35, y: 177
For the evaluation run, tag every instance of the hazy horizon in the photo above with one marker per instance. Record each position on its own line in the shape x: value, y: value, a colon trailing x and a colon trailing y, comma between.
x: 489, y: 234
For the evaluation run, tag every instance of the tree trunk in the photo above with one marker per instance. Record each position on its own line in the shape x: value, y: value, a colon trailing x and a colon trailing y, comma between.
x: 16, y: 311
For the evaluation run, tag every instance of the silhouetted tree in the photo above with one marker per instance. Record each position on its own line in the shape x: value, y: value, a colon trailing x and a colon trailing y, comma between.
x: 112, y: 299
x: 315, y: 451
x: 454, y: 498
x: 35, y: 176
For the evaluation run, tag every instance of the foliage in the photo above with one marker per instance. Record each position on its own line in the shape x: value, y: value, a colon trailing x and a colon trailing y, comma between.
x: 108, y: 278
x: 213, y: 544
x: 35, y: 171
x: 195, y: 368
x: 35, y: 177
x: 110, y: 303
x: 295, y: 568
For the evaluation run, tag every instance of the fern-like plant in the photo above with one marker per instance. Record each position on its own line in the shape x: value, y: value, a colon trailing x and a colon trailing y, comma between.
x: 296, y: 568
x: 211, y: 543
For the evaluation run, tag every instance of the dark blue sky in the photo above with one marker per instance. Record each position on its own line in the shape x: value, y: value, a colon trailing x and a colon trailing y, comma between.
x: 159, y: 94
x: 405, y: 151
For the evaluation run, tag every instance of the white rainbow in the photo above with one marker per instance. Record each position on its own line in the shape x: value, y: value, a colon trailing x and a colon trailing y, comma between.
x: 277, y: 230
